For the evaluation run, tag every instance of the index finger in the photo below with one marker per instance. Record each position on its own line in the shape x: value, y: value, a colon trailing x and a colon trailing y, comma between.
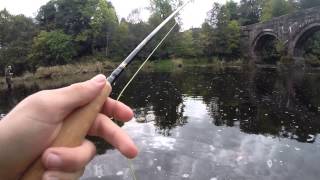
x: 117, y: 110
x: 104, y: 127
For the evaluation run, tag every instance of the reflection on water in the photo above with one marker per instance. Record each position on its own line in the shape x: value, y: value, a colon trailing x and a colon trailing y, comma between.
x: 206, y: 125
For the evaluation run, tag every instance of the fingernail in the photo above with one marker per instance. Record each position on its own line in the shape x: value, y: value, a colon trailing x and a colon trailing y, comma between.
x: 100, y: 79
x: 53, y: 161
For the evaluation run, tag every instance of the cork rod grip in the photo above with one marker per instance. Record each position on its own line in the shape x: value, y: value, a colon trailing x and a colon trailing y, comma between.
x: 73, y: 131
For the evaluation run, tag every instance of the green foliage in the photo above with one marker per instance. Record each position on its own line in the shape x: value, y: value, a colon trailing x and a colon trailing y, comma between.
x: 270, y: 52
x: 212, y: 18
x: 250, y: 11
x: 16, y: 34
x: 282, y: 52
x: 163, y: 65
x: 312, y: 50
x: 232, y: 10
x: 208, y: 40
x: 65, y: 31
x: 312, y: 46
x: 103, y: 25
x: 196, y: 43
x: 91, y: 23
x: 72, y: 16
x: 276, y: 8
x: 127, y: 37
x: 280, y: 7
x: 209, y: 34
x: 52, y: 48
x: 267, y: 11
x: 312, y: 60
x: 186, y: 47
x: 160, y: 9
x: 122, y: 42
x: 233, y: 38
x: 280, y: 48
x: 221, y: 32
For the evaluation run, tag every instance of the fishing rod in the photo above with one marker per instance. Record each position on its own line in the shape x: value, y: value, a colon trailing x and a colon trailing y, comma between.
x: 116, y: 73
x: 78, y: 123
x: 132, y: 171
x: 142, y: 65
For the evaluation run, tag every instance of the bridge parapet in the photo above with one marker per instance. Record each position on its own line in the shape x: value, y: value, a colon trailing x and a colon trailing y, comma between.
x: 292, y: 30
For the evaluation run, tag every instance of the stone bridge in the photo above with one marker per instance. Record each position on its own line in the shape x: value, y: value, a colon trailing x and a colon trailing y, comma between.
x: 292, y: 30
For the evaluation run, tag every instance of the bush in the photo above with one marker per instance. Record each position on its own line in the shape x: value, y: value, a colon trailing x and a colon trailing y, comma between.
x: 52, y: 48
x: 312, y: 60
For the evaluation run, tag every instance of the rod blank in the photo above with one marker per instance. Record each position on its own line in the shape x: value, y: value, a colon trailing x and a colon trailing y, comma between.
x: 116, y: 73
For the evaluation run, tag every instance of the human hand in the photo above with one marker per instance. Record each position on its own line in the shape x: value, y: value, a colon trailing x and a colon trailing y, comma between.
x: 29, y: 129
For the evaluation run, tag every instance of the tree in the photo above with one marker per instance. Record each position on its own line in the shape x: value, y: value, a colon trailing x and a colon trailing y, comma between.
x: 16, y: 34
x: 135, y: 16
x: 233, y: 38
x: 212, y: 15
x: 209, y: 31
x: 208, y: 40
x: 103, y: 24
x: 160, y: 10
x: 163, y: 8
x: 186, y: 47
x: 312, y: 49
x: 281, y: 7
x: 89, y: 22
x: 267, y: 11
x: 312, y: 45
x: 196, y: 42
x: 232, y: 10
x: 276, y: 8
x: 250, y: 11
x: 52, y: 48
x: 228, y: 31
x: 121, y: 40
x: 221, y: 31
x: 71, y: 16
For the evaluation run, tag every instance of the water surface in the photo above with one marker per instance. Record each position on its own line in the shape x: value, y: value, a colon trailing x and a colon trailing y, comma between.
x: 201, y: 124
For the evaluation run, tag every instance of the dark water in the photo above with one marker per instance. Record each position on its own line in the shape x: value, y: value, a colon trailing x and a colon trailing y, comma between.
x: 206, y: 125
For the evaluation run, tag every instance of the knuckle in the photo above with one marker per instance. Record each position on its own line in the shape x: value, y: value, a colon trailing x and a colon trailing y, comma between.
x: 93, y: 150
x: 75, y: 161
x: 114, y: 133
x: 38, y: 98
x: 77, y: 87
x: 98, y: 125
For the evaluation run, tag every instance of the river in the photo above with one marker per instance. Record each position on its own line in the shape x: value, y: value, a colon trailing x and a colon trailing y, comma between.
x: 204, y: 124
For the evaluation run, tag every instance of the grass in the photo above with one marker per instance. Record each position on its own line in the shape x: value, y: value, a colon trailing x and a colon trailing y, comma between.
x: 313, y: 61
x: 162, y: 65
x: 88, y: 67
x: 83, y: 68
x: 63, y: 72
x: 174, y: 64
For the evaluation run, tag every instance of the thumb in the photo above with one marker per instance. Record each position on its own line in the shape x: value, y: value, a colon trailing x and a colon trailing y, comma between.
x: 79, y: 94
x: 61, y: 102
x: 33, y: 124
x: 69, y: 98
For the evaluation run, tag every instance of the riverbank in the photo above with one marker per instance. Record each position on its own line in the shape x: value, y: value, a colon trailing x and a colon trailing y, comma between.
x: 81, y: 69
x: 57, y: 72
x: 164, y: 65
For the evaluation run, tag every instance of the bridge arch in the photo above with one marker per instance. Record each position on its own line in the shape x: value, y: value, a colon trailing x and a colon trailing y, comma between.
x: 296, y: 48
x: 261, y: 40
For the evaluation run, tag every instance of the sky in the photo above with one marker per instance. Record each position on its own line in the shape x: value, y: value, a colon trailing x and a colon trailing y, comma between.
x: 192, y: 16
